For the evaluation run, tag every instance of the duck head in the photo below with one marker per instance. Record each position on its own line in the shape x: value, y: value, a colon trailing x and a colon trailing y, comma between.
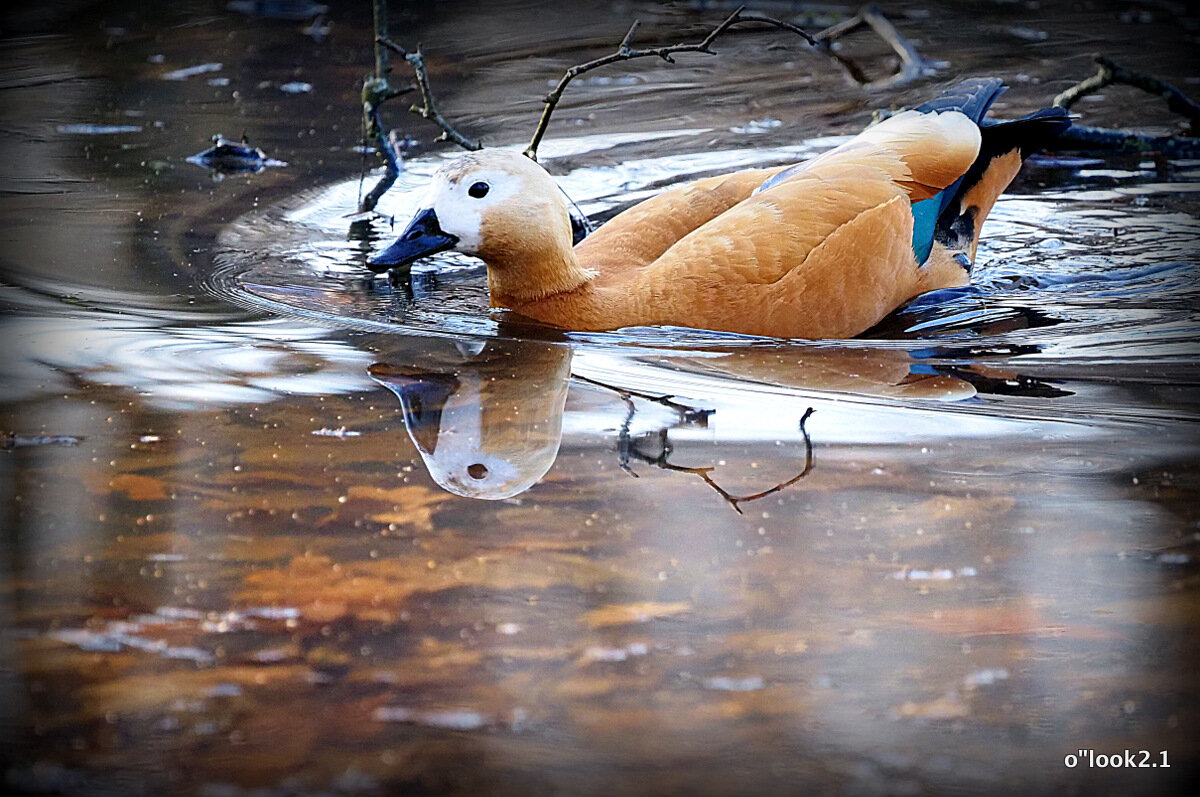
x: 505, y: 209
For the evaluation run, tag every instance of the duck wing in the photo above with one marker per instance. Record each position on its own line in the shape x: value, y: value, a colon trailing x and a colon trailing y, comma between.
x: 826, y: 252
x: 641, y: 234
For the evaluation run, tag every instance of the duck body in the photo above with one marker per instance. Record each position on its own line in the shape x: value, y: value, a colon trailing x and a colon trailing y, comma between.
x: 821, y: 249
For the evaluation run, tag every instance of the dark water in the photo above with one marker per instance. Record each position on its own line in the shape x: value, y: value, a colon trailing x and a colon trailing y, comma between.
x: 272, y: 528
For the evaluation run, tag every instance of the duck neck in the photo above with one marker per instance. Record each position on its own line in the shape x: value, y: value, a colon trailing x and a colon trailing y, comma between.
x: 531, y: 277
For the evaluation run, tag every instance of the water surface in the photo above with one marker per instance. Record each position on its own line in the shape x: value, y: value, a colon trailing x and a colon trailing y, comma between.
x: 274, y: 527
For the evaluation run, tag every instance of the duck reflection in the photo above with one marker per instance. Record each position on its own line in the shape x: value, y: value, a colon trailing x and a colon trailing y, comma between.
x: 859, y: 371
x: 487, y: 417
x: 943, y: 373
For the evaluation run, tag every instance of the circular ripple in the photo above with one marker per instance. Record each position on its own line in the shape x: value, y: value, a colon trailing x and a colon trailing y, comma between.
x: 1095, y: 265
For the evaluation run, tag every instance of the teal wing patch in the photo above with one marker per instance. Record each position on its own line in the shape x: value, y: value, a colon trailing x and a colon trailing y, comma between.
x: 925, y: 216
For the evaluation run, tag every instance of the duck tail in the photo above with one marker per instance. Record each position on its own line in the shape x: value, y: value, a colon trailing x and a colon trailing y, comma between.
x: 1003, y: 148
x: 971, y: 98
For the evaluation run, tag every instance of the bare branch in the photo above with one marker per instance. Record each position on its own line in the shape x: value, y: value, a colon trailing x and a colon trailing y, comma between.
x: 912, y: 64
x: 427, y: 109
x: 628, y: 36
x: 1108, y: 72
x: 625, y: 52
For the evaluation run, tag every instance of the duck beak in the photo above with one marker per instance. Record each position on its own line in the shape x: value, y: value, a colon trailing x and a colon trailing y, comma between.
x: 423, y: 236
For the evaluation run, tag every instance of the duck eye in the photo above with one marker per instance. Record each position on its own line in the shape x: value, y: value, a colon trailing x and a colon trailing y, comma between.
x: 478, y: 190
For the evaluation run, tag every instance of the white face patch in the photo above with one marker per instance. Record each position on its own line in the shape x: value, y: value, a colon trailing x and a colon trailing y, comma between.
x: 459, y: 213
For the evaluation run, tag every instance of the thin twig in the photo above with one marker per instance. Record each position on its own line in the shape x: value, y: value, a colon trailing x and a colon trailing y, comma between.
x: 1109, y: 72
x: 427, y: 109
x: 626, y: 53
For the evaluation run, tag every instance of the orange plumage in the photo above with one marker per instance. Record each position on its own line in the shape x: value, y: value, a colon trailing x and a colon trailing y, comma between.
x: 821, y: 249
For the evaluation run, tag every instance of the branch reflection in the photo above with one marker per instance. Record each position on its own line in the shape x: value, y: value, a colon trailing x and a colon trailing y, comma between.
x: 630, y: 448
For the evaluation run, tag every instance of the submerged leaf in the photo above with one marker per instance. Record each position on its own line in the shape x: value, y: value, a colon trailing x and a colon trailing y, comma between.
x: 626, y: 613
x: 139, y: 488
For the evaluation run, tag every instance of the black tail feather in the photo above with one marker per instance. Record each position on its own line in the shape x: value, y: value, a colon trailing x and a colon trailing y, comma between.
x: 1029, y: 133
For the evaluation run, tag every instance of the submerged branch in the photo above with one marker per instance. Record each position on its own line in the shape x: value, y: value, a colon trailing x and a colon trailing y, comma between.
x: 1109, y: 72
x: 1083, y: 137
x: 913, y: 65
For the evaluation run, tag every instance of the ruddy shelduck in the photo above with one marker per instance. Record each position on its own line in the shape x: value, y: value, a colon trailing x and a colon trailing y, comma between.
x: 821, y: 249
